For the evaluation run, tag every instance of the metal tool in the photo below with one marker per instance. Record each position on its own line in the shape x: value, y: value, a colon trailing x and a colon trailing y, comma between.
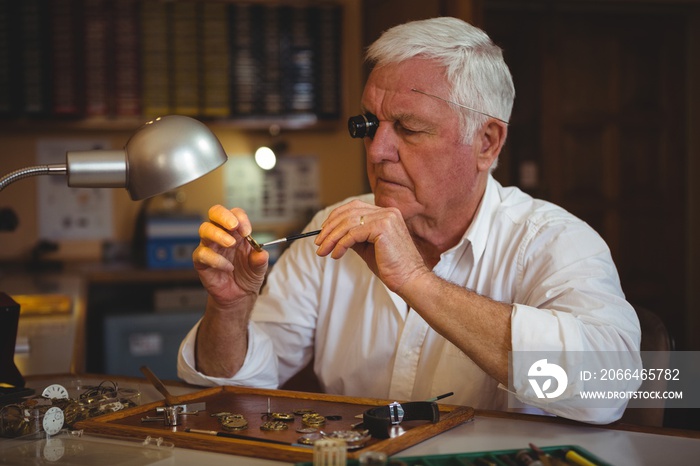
x: 187, y: 408
x: 170, y: 400
x: 291, y: 238
x: 170, y: 415
x: 172, y: 409
x: 259, y: 247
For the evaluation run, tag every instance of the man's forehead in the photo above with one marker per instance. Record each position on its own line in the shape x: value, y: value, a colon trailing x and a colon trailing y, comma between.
x: 388, y: 103
x: 415, y: 72
x: 396, y: 81
x: 399, y: 104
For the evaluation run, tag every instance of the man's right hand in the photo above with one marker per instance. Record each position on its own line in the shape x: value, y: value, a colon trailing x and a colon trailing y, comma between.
x: 229, y: 268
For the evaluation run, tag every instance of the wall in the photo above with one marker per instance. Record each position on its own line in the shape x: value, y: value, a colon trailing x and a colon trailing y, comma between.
x: 341, y: 160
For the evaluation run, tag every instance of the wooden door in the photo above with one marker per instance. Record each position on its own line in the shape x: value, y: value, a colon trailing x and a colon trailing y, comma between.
x: 599, y: 128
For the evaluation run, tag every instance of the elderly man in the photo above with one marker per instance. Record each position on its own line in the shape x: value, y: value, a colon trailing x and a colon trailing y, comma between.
x: 425, y: 285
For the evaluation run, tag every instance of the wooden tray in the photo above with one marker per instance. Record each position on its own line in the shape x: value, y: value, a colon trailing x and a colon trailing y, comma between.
x: 252, y: 403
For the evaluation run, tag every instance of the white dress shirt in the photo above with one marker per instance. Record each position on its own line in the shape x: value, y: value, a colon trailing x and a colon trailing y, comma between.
x: 553, y: 267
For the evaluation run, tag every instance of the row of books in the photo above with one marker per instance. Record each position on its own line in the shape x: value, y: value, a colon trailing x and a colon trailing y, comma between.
x: 208, y: 59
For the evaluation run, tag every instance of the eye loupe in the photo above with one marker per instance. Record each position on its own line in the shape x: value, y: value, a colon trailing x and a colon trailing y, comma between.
x: 363, y: 125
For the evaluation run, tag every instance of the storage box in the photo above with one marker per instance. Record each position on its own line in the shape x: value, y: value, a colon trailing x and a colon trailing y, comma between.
x: 496, y: 458
x: 170, y: 240
x: 153, y: 340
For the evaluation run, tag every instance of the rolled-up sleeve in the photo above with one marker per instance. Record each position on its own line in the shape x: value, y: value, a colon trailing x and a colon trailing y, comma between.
x: 259, y: 368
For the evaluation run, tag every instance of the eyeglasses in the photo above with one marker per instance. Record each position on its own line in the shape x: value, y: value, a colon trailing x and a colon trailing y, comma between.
x: 460, y: 105
x: 367, y: 123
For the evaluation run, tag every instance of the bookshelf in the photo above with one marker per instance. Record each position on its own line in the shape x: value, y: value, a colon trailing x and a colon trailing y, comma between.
x: 98, y: 64
x: 341, y: 159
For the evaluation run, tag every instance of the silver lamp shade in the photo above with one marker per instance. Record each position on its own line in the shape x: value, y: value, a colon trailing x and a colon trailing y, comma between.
x: 163, y: 154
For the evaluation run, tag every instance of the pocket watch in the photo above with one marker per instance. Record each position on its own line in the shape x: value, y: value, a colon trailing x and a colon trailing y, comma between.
x: 53, y: 420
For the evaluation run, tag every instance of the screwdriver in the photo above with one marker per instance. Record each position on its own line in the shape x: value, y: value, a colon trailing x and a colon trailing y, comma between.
x: 259, y: 247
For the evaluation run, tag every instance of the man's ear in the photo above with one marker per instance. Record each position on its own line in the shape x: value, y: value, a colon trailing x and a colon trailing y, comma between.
x: 492, y: 137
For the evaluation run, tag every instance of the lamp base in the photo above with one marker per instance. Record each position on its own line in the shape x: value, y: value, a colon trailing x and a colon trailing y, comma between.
x: 9, y: 320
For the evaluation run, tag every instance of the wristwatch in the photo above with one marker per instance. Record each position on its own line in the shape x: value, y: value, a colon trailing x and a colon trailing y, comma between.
x: 379, y: 421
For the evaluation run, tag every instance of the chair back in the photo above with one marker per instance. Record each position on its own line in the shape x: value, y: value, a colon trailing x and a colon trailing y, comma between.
x: 656, y: 339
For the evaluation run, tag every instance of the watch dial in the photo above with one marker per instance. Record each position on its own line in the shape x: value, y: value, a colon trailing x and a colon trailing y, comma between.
x: 53, y: 420
x: 55, y: 391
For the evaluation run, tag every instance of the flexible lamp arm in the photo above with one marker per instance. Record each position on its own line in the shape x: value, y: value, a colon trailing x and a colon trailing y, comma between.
x: 53, y: 169
x: 85, y: 169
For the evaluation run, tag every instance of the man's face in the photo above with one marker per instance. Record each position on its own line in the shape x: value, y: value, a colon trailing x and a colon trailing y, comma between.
x: 416, y: 160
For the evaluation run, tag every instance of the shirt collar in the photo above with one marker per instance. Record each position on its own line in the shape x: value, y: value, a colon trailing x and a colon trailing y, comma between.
x: 478, y: 232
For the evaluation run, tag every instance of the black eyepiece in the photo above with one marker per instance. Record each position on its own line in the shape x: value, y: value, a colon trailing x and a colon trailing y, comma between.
x: 363, y: 125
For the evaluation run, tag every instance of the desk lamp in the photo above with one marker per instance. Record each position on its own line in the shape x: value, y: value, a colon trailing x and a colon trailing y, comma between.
x: 162, y: 155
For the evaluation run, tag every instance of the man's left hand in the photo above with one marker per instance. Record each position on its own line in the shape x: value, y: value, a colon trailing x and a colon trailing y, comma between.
x: 379, y: 235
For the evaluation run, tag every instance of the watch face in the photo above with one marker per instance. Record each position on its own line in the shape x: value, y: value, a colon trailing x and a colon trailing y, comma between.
x: 55, y: 391
x: 53, y: 420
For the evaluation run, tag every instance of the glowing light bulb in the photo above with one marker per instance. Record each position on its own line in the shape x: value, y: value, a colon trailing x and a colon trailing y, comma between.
x: 265, y: 158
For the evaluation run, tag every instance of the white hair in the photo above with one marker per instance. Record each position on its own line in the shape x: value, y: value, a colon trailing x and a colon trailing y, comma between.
x: 474, y: 65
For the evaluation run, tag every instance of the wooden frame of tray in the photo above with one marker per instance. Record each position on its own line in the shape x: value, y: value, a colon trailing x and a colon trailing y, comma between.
x: 252, y: 403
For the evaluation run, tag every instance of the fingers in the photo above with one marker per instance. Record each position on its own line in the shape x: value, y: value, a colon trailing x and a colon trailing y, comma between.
x: 204, y: 257
x: 212, y: 234
x: 218, y: 237
x: 379, y: 236
x: 346, y: 226
x: 230, y: 220
x: 355, y: 223
x: 225, y: 227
